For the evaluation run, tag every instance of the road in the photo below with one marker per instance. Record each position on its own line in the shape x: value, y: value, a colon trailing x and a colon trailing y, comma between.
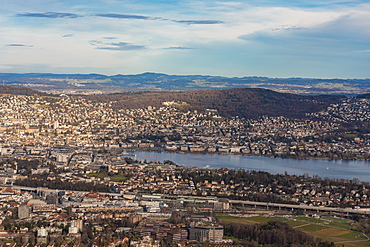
x: 262, y: 204
x: 304, y: 207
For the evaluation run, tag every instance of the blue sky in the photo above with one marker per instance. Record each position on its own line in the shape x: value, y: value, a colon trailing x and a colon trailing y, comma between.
x: 274, y: 38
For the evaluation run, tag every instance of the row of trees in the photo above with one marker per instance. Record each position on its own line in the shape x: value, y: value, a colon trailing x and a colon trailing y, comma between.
x: 39, y: 181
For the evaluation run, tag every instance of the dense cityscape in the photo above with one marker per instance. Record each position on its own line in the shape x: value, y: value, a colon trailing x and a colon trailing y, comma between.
x: 70, y: 177
x: 196, y: 123
x: 35, y: 124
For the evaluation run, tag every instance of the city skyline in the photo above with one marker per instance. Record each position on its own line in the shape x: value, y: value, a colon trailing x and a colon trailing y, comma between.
x: 317, y: 39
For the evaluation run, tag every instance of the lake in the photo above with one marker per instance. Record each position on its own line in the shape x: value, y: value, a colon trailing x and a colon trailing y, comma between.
x: 323, y: 168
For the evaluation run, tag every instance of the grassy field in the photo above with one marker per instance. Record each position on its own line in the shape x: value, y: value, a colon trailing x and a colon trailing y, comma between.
x: 240, y: 220
x: 97, y: 175
x: 259, y: 219
x: 327, y: 228
x: 340, y: 237
x: 310, y: 219
x: 116, y: 178
x: 339, y: 220
x: 295, y: 224
x: 311, y: 228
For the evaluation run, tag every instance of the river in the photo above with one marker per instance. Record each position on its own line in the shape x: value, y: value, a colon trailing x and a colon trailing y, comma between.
x: 323, y: 168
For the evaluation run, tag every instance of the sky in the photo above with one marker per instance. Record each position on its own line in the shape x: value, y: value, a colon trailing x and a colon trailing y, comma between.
x: 273, y: 38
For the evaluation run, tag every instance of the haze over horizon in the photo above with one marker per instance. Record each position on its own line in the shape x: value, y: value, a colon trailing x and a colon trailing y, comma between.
x: 306, y: 38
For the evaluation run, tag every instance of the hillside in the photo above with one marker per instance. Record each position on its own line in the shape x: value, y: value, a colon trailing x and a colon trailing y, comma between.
x: 243, y: 102
x: 20, y: 91
x: 363, y: 96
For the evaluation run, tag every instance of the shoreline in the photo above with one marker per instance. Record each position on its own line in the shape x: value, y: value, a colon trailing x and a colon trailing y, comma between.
x: 333, y: 169
x: 163, y: 150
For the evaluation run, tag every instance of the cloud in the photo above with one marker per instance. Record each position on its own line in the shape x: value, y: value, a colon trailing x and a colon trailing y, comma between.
x: 286, y: 28
x: 177, y: 48
x: 19, y: 45
x: 144, y: 17
x: 199, y: 22
x: 52, y: 15
x: 120, y: 46
x: 95, y: 42
x: 124, y: 16
x: 338, y: 39
x: 260, y: 35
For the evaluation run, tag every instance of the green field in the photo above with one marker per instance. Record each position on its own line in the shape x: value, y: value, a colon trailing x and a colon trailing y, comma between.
x: 118, y: 178
x: 240, y: 220
x: 97, y: 175
x: 327, y: 228
x: 310, y: 219
x: 338, y: 223
x: 312, y: 228
x: 339, y: 220
x: 295, y: 224
x: 280, y: 218
x: 260, y: 219
x: 115, y: 178
x: 352, y: 234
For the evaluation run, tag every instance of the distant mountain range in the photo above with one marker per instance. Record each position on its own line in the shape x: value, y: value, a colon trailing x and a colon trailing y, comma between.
x: 98, y: 84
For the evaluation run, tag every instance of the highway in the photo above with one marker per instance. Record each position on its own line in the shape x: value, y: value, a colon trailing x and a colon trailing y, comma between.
x: 47, y: 190
x: 364, y: 211
x: 302, y: 206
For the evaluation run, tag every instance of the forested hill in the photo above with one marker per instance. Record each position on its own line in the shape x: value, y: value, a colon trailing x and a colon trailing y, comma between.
x: 363, y: 96
x: 20, y: 91
x: 243, y: 102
